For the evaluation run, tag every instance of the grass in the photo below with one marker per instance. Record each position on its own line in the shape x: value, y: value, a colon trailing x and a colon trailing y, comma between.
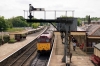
x: 12, y: 41
x: 14, y: 29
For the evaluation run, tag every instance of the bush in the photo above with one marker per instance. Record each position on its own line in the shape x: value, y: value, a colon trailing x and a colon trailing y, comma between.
x: 24, y: 35
x: 12, y: 41
x: 5, y: 37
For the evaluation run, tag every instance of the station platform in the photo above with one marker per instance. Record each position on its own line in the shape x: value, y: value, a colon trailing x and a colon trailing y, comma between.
x: 10, y: 48
x: 79, y: 57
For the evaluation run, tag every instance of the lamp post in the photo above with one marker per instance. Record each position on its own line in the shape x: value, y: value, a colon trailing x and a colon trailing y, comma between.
x: 2, y: 36
x: 86, y: 40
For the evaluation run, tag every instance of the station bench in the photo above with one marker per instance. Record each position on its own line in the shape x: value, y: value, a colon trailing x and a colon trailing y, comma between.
x: 95, y: 59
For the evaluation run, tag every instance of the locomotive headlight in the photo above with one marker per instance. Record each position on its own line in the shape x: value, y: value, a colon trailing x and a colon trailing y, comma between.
x: 39, y: 40
x: 47, y: 40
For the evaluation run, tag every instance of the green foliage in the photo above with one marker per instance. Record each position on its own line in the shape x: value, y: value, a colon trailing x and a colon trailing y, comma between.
x: 24, y: 35
x: 18, y: 21
x: 5, y: 38
x: 78, y: 22
x: 35, y: 25
x: 41, y: 24
x: 92, y: 18
x: 12, y: 41
x: 45, y: 24
x: 8, y: 23
x: 14, y: 29
x: 54, y: 24
x: 66, y: 16
x: 2, y: 23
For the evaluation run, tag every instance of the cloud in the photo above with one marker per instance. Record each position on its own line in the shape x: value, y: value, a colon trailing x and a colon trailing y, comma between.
x: 61, y: 7
x: 10, y: 8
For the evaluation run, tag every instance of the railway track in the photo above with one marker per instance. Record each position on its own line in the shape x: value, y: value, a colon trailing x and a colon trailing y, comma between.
x: 21, y: 59
x: 40, y: 60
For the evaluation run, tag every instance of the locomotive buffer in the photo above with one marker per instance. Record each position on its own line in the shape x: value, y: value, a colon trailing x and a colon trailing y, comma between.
x: 63, y: 27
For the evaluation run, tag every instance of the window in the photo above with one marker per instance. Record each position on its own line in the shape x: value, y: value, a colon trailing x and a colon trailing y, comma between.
x: 89, y: 44
x: 93, y: 43
x: 47, y: 40
x: 39, y: 40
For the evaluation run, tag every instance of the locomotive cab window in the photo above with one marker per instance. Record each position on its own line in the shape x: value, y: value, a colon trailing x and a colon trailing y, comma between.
x: 39, y: 40
x: 43, y: 40
x: 47, y: 40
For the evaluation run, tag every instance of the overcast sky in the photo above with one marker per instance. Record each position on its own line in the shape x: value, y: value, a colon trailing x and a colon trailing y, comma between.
x: 10, y: 8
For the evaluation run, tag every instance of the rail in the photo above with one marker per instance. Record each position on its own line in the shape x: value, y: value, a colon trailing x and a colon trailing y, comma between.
x: 16, y: 62
x: 40, y: 60
x: 18, y: 51
x: 51, y: 51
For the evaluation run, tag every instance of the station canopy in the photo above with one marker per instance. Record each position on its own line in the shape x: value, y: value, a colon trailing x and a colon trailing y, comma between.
x: 78, y: 32
x: 19, y: 32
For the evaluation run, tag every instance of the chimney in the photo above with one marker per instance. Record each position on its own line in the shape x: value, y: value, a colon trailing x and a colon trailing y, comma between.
x: 89, y: 20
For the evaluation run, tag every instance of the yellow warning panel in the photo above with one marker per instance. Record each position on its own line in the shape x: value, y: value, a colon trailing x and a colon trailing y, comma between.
x: 57, y: 33
x: 43, y: 46
x: 78, y: 33
x: 94, y: 37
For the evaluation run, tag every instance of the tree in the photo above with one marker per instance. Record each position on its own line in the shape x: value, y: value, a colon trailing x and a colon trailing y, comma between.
x: 2, y: 23
x: 79, y: 22
x: 8, y: 23
x: 86, y: 18
x: 41, y: 24
x: 35, y: 25
x: 19, y: 21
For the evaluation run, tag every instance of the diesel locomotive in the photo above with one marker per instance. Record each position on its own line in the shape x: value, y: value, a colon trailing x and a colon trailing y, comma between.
x: 45, y: 42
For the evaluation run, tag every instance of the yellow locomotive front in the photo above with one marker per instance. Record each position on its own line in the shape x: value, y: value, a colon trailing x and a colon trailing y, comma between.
x: 45, y: 42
